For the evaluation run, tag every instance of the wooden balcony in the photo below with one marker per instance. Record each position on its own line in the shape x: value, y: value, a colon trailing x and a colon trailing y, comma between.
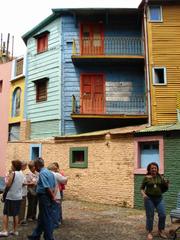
x: 115, y: 48
x: 130, y: 107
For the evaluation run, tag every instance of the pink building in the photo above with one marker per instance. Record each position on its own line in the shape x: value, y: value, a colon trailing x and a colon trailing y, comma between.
x: 5, y: 77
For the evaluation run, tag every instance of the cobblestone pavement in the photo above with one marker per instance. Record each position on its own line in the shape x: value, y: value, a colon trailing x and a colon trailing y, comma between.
x: 88, y: 221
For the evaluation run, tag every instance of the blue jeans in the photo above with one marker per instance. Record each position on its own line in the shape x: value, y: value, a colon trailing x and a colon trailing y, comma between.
x: 45, y: 223
x: 55, y: 214
x: 150, y: 205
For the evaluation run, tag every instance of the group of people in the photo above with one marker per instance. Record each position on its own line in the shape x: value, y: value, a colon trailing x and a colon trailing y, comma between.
x: 43, y: 186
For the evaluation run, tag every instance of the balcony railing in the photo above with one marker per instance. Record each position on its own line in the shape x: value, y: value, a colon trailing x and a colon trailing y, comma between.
x: 134, y: 105
x: 108, y: 46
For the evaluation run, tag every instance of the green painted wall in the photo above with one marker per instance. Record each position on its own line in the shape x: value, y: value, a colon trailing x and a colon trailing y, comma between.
x: 172, y: 172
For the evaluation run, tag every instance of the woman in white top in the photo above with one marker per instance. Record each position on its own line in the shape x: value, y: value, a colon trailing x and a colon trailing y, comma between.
x: 13, y: 198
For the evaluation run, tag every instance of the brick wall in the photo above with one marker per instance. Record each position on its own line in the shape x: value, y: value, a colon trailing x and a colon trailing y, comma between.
x: 109, y: 177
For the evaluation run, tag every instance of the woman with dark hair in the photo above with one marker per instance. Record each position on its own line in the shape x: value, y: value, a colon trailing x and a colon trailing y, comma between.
x: 13, y: 198
x: 152, y: 188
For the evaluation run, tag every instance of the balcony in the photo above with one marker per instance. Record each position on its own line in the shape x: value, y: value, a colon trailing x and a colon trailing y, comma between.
x: 128, y: 107
x: 117, y: 48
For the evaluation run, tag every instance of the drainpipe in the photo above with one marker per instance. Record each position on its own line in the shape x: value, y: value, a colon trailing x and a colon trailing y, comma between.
x: 147, y: 62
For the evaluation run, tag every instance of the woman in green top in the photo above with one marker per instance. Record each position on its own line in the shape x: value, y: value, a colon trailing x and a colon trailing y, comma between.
x: 152, y: 188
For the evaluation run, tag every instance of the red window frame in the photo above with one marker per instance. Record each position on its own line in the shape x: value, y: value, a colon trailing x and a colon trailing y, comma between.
x: 42, y: 43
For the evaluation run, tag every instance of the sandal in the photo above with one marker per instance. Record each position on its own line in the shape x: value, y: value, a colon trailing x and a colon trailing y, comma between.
x: 162, y: 234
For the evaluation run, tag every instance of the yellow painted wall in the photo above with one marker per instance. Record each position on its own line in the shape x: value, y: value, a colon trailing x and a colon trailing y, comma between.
x: 164, y: 51
x: 14, y: 84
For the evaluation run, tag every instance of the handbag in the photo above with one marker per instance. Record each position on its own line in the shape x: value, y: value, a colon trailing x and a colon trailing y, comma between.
x: 6, y: 190
x: 164, y: 185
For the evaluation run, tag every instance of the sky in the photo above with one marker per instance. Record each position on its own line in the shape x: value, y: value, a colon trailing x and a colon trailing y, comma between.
x: 19, y: 16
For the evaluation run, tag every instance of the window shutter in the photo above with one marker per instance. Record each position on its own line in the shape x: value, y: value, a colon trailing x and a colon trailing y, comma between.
x: 41, y: 91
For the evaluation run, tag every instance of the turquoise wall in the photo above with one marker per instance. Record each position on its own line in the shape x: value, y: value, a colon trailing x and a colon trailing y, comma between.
x: 46, y: 64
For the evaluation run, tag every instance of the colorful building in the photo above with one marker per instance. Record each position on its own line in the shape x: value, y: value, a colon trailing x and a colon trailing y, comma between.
x: 85, y: 72
x: 97, y: 69
x: 17, y: 119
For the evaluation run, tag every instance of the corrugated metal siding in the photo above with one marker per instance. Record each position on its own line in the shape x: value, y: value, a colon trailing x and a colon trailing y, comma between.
x: 45, y: 129
x: 42, y: 65
x: 172, y: 166
x: 165, y: 43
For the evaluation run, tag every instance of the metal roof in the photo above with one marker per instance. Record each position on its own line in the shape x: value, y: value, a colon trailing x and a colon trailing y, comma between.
x: 161, y: 128
x: 115, y: 131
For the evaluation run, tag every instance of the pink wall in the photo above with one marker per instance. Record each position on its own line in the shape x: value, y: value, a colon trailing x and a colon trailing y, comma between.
x: 5, y: 76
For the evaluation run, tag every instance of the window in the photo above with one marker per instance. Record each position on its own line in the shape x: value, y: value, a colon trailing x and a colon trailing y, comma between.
x: 1, y: 85
x: 16, y: 102
x: 18, y: 68
x: 148, y: 149
x: 149, y: 152
x: 159, y: 76
x: 42, y: 41
x: 42, y: 44
x: 14, y: 132
x: 35, y: 151
x: 155, y: 13
x: 41, y: 89
x: 79, y: 157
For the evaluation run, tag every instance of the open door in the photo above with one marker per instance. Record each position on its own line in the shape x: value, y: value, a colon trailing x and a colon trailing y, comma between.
x: 92, y: 39
x: 92, y: 94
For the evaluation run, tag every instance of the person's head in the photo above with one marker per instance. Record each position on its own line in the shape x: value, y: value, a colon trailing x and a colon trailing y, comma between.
x: 16, y: 165
x: 52, y: 167
x: 153, y: 168
x: 38, y: 163
x: 57, y: 166
x: 24, y: 165
x: 31, y: 166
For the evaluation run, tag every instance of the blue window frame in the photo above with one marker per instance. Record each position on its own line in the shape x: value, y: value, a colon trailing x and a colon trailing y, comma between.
x: 155, y: 13
x: 35, y: 151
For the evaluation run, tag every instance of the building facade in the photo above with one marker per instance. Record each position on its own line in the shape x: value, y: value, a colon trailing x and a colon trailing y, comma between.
x: 96, y: 69
x: 160, y: 142
x: 16, y: 100
x: 85, y: 66
x: 5, y: 76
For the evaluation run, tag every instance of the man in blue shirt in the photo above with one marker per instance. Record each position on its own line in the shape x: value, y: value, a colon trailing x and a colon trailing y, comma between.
x: 45, y: 192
